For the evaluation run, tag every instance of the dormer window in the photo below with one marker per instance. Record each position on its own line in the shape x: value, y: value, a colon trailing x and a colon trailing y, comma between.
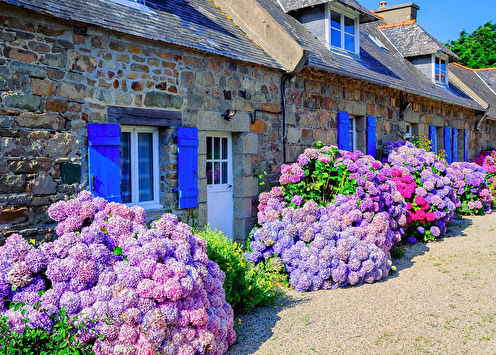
x: 440, y: 71
x: 342, y: 33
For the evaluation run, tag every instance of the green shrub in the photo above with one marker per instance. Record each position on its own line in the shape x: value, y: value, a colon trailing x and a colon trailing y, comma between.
x: 246, y: 286
x: 60, y: 340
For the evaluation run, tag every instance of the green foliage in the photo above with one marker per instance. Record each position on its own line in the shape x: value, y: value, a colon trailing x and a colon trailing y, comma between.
x: 61, y: 340
x: 322, y: 182
x: 398, y: 251
x: 246, y: 286
x: 477, y: 49
x: 421, y: 142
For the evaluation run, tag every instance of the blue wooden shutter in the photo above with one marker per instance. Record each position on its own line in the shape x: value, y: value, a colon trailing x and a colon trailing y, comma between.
x: 433, y: 138
x: 447, y: 143
x: 344, y: 131
x: 187, y: 166
x: 465, y: 145
x: 371, y: 125
x: 455, y: 145
x: 103, y: 161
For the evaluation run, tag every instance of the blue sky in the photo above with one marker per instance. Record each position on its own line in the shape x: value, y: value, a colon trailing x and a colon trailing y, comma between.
x: 445, y: 19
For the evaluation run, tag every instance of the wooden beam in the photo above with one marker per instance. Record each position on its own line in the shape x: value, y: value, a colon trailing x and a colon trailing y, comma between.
x: 144, y: 117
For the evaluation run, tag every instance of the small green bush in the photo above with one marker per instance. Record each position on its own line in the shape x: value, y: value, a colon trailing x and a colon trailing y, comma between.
x: 61, y: 340
x: 245, y: 286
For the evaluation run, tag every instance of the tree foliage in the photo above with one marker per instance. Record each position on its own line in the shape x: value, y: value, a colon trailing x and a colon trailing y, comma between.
x: 477, y: 49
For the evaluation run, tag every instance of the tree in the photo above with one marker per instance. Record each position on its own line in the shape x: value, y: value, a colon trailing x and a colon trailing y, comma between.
x: 477, y: 49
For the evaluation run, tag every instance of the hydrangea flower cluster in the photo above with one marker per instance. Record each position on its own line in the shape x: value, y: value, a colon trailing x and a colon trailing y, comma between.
x: 340, y: 239
x: 142, y: 290
x: 471, y: 186
x: 487, y: 159
x: 426, y: 185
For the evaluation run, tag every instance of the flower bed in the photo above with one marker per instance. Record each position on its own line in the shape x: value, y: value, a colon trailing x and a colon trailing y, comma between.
x: 469, y: 181
x: 146, y: 289
x: 424, y: 182
x: 332, y: 221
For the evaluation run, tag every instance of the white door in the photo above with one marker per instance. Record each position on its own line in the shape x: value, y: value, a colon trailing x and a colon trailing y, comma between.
x: 220, y: 182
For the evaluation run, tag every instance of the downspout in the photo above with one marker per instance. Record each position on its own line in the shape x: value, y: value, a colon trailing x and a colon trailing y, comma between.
x: 480, y: 122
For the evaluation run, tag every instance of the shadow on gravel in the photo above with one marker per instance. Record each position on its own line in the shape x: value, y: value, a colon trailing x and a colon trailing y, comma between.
x: 456, y: 228
x: 256, y: 326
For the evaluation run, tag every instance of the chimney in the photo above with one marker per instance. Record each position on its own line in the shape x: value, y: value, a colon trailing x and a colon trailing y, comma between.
x: 398, y: 13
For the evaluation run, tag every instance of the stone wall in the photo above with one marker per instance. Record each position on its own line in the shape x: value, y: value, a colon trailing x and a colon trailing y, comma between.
x: 57, y: 76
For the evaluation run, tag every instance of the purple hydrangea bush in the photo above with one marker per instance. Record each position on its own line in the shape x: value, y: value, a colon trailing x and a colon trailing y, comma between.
x: 140, y: 290
x: 426, y: 184
x: 471, y: 186
x: 332, y: 222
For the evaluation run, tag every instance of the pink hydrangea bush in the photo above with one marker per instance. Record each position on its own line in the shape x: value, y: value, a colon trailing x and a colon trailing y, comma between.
x: 469, y: 181
x: 427, y: 187
x: 487, y: 159
x: 141, y: 290
x: 332, y: 222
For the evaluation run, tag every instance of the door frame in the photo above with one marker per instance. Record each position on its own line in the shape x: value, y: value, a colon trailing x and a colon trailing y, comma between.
x: 230, y: 176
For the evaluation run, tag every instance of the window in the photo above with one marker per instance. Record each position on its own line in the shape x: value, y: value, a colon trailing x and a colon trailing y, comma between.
x: 139, y: 166
x: 408, y: 131
x: 353, y: 134
x: 343, y: 30
x: 440, y: 70
x: 217, y: 161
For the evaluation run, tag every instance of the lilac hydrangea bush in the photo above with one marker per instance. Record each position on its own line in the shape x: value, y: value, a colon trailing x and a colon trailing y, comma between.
x: 426, y: 184
x: 147, y: 289
x: 471, y: 186
x: 340, y: 236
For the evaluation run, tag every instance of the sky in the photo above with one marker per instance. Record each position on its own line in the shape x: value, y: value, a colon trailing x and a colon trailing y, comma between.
x: 445, y: 19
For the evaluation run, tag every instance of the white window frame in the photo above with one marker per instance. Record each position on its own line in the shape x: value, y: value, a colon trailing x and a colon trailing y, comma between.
x: 353, y: 133
x: 134, y: 130
x: 229, y: 159
x: 446, y: 62
x: 344, y: 11
x: 408, y: 130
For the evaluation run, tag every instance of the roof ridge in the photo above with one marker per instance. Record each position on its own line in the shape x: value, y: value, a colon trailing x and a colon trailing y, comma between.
x: 397, y: 24
x: 473, y: 69
x: 372, y: 11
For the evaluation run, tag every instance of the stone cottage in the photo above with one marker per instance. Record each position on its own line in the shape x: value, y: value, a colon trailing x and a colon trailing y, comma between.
x: 175, y: 105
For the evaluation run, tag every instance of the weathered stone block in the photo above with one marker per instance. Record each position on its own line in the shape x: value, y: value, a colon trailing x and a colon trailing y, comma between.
x: 161, y: 99
x: 60, y: 145
x: 44, y: 120
x: 11, y: 214
x: 20, y: 54
x: 29, y: 166
x: 28, y: 102
x: 80, y: 62
x: 12, y: 183
x: 72, y: 91
x: 57, y: 105
x: 188, y: 79
x: 43, y: 185
x: 42, y: 87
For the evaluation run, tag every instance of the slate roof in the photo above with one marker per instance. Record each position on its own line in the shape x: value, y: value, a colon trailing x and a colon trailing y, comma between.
x: 489, y: 76
x: 382, y: 66
x: 365, y: 14
x: 473, y: 79
x: 196, y: 24
x: 412, y: 40
x: 199, y: 25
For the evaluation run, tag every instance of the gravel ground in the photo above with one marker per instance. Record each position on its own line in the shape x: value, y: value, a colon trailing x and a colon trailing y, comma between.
x: 442, y: 300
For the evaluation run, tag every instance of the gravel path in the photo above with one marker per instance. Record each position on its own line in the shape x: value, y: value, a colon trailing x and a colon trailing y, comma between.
x: 441, y: 301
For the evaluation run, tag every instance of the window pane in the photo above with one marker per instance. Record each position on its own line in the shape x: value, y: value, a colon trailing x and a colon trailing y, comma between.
x: 216, y: 148
x: 209, y: 147
x: 224, y: 173
x: 349, y: 43
x: 335, y: 20
x: 126, y: 167
x: 224, y: 148
x: 335, y: 38
x: 145, y: 166
x: 352, y: 148
x: 209, y: 173
x: 349, y: 25
x: 216, y: 173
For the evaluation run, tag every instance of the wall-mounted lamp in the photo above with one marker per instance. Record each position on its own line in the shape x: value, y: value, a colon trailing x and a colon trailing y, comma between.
x: 229, y: 114
x: 404, y: 105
